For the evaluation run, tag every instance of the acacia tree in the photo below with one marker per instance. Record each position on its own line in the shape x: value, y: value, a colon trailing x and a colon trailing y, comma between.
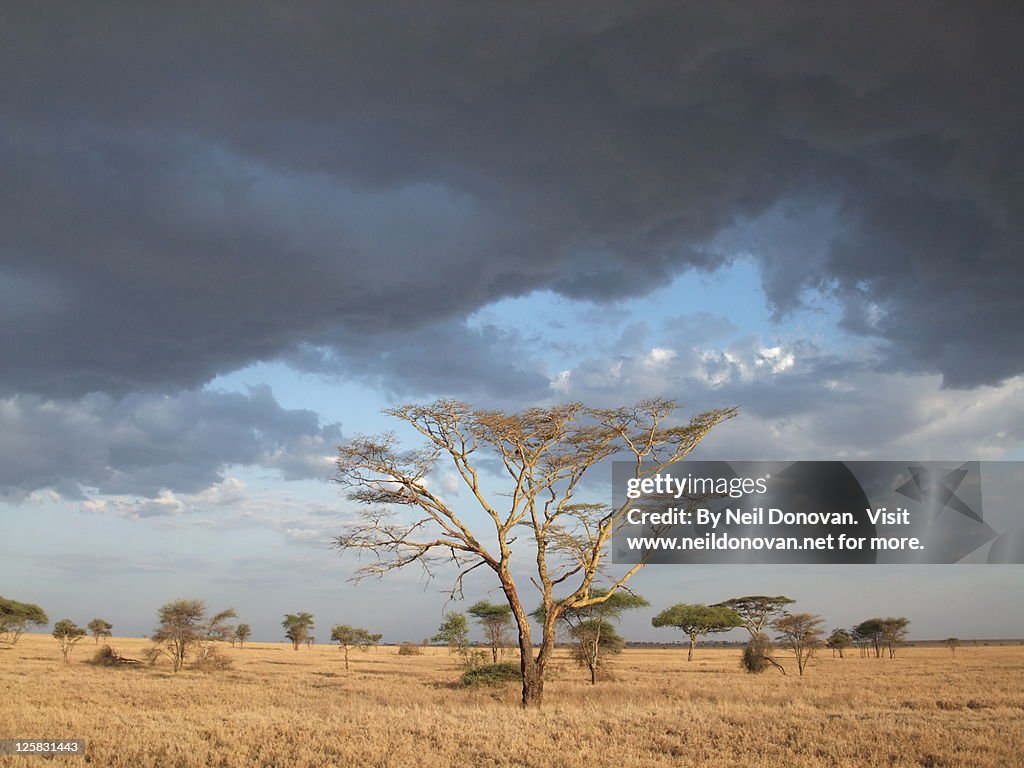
x: 496, y: 621
x: 592, y: 627
x: 183, y: 626
x: 894, y: 632
x: 952, y: 643
x: 217, y: 627
x: 297, y: 627
x: 67, y: 634
x: 242, y: 633
x: 454, y: 632
x: 16, y: 617
x: 353, y: 637
x: 839, y: 640
x: 544, y: 454
x: 100, y: 628
x: 697, y: 620
x: 883, y: 633
x: 802, y: 633
x: 757, y: 611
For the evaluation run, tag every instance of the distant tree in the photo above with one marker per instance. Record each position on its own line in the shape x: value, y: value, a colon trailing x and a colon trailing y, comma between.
x: 180, y: 628
x: 496, y: 621
x: 839, y: 640
x: 183, y: 629
x: 242, y: 634
x: 297, y: 627
x: 68, y: 634
x: 100, y: 628
x: 952, y: 643
x: 17, y: 617
x: 543, y: 454
x: 588, y: 625
x: 862, y: 639
x: 353, y: 637
x: 757, y: 611
x: 894, y: 632
x: 217, y: 627
x: 454, y: 632
x: 883, y: 634
x: 802, y: 633
x: 697, y: 620
x: 594, y: 641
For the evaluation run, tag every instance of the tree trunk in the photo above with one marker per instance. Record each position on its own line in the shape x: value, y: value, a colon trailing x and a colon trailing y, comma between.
x: 693, y: 643
x: 533, y: 682
x: 494, y: 653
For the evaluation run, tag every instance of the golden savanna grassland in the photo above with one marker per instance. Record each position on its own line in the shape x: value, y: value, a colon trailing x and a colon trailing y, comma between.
x: 279, y: 707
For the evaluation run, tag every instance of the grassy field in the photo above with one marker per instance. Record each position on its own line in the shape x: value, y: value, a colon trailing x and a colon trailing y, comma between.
x: 279, y: 707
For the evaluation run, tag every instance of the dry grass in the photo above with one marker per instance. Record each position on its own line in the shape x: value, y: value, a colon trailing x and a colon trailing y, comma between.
x: 278, y: 707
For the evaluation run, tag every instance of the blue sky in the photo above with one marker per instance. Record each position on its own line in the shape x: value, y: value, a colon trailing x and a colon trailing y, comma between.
x: 216, y: 270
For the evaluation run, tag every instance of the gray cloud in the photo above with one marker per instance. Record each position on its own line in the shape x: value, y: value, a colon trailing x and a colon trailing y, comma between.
x: 143, y: 444
x: 187, y: 191
x: 447, y: 358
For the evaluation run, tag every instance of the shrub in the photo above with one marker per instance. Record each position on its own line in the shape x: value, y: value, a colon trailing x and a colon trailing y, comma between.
x: 209, y: 659
x: 492, y: 674
x: 757, y: 654
x: 409, y: 649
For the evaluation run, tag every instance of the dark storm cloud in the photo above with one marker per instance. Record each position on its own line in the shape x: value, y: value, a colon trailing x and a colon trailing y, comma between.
x: 443, y: 359
x: 143, y: 444
x: 191, y: 188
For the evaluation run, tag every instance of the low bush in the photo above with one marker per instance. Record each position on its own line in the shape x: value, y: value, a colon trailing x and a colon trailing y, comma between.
x: 108, y: 657
x: 492, y: 674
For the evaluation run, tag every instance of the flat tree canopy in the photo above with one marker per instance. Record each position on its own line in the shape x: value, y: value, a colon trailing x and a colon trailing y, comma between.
x: 542, y: 454
x: 696, y: 620
x: 353, y: 637
x: 67, y: 634
x: 16, y: 617
x: 757, y: 611
x: 496, y: 621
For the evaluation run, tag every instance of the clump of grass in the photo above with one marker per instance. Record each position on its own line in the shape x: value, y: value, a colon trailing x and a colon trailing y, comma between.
x: 492, y: 674
x: 409, y: 649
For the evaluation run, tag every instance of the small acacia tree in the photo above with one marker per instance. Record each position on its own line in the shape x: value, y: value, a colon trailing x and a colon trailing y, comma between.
x: 297, y: 627
x: 894, y: 632
x: 543, y: 454
x: 353, y: 637
x: 68, y: 634
x: 496, y: 622
x: 839, y: 640
x: 183, y: 627
x: 217, y: 628
x: 697, y: 620
x: 454, y: 632
x: 17, y: 617
x: 100, y: 628
x: 802, y: 633
x: 757, y: 612
x: 592, y: 627
x: 242, y: 634
x: 952, y: 643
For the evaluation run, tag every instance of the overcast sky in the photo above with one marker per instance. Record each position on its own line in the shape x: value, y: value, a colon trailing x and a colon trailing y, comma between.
x: 230, y: 236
